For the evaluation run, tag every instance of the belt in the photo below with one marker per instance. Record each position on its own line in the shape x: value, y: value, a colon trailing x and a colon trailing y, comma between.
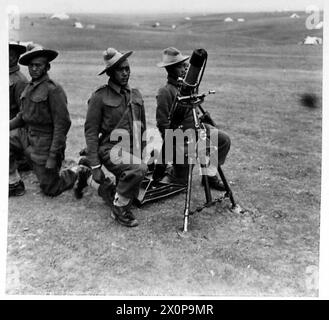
x: 40, y: 129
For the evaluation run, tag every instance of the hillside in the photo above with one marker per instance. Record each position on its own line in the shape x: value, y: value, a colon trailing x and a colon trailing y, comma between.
x: 138, y: 33
x: 259, y: 72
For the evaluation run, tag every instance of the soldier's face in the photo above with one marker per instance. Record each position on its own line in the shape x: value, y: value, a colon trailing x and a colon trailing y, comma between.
x: 120, y: 75
x: 180, y: 69
x: 13, y: 57
x: 38, y: 67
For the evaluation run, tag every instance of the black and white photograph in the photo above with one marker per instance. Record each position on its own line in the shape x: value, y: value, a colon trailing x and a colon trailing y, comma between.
x: 165, y: 149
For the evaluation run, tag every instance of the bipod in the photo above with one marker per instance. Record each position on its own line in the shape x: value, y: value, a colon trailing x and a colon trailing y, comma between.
x: 194, y: 103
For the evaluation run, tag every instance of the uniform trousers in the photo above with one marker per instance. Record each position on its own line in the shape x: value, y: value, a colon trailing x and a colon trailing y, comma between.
x: 52, y: 181
x: 128, y: 169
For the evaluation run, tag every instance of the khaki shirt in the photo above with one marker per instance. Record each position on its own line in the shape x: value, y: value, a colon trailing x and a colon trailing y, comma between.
x: 165, y: 99
x: 17, y: 83
x: 44, y: 112
x: 112, y: 107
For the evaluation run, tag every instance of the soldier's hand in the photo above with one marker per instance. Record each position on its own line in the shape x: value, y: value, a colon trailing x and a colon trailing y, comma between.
x: 51, y: 164
x: 98, y: 175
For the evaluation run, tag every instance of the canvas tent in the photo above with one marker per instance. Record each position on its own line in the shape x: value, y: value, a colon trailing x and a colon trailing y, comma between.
x: 78, y: 25
x: 241, y: 20
x: 60, y: 16
x: 90, y: 26
x: 312, y: 40
x: 228, y: 19
x: 294, y: 16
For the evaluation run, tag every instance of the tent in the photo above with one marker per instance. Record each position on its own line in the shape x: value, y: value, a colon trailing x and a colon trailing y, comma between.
x: 241, y: 20
x: 312, y: 40
x: 187, y: 18
x: 90, y: 26
x: 78, y: 25
x: 60, y: 16
x: 228, y: 19
x: 294, y: 16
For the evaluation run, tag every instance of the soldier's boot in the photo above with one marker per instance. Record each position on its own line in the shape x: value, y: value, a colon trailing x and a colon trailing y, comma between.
x: 17, y: 189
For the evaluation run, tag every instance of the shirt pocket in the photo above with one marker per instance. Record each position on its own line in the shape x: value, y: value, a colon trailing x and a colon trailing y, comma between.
x: 36, y: 109
x: 137, y: 107
x: 112, y: 113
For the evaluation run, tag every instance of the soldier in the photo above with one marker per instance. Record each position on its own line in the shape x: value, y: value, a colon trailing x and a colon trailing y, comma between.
x: 176, y: 66
x: 116, y: 110
x: 17, y: 83
x: 44, y: 113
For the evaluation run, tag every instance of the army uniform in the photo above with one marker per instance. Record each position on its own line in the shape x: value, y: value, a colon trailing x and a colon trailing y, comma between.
x: 46, y: 117
x: 112, y: 107
x: 165, y: 99
x: 17, y: 83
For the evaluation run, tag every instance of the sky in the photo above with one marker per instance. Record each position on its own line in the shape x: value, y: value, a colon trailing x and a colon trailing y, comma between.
x: 161, y: 6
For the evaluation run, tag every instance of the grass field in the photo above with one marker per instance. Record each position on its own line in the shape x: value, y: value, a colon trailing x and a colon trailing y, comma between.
x: 258, y: 69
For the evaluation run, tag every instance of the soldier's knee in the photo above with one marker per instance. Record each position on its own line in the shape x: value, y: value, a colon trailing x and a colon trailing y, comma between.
x: 224, y: 140
x: 228, y: 141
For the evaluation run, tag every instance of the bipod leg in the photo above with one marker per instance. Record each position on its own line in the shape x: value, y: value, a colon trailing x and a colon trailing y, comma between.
x: 206, y: 186
x: 227, y: 187
x: 188, y: 197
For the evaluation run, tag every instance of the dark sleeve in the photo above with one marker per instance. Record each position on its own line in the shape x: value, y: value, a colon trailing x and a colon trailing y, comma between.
x: 143, y: 120
x: 61, y: 119
x: 17, y: 121
x: 164, y: 104
x: 19, y: 88
x: 92, y: 128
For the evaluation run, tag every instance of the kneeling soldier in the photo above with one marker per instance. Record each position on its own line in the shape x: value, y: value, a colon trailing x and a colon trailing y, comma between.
x: 113, y: 110
x: 17, y: 83
x: 45, y: 115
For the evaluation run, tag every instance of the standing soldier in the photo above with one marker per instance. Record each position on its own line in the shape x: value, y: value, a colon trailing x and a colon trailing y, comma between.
x: 116, y: 110
x: 45, y: 115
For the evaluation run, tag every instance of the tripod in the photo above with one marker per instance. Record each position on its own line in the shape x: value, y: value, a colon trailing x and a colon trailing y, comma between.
x: 194, y: 101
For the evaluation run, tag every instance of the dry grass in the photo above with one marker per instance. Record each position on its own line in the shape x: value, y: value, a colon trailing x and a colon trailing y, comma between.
x: 65, y: 246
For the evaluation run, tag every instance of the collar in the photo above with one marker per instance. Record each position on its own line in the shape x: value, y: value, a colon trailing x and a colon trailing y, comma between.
x: 43, y: 79
x: 14, y: 69
x: 173, y: 81
x: 117, y: 88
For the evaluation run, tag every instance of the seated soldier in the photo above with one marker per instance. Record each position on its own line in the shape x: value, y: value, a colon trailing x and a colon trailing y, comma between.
x: 45, y: 115
x: 115, y: 111
x: 176, y: 66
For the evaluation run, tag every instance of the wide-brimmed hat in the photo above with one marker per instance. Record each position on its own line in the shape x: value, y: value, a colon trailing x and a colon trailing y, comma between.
x: 112, y: 57
x: 14, y: 45
x: 171, y: 56
x: 35, y: 50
